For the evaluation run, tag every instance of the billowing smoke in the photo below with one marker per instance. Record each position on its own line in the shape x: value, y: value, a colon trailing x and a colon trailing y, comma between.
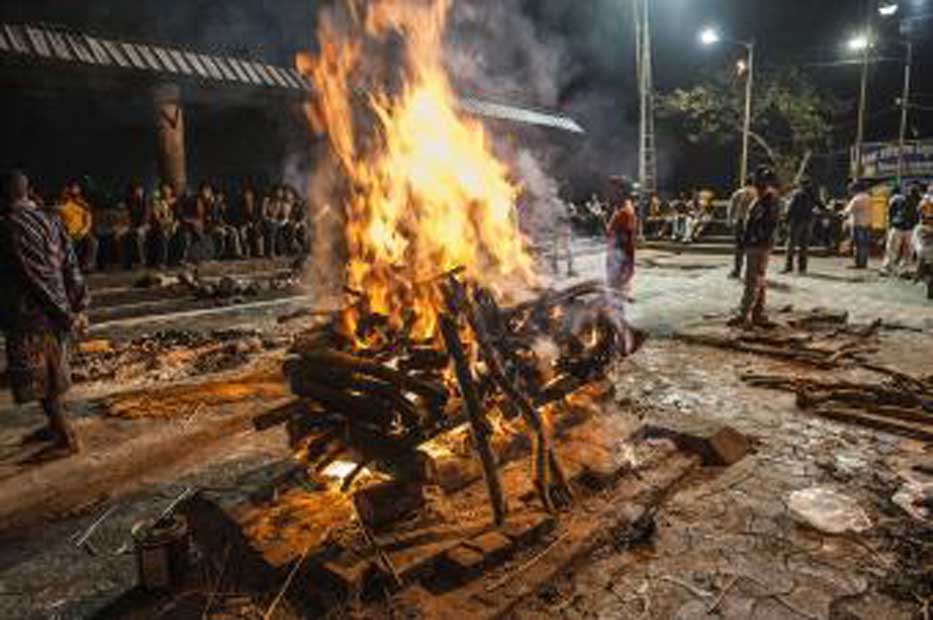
x: 521, y: 52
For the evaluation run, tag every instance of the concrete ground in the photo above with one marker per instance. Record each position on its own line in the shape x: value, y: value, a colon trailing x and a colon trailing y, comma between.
x: 726, y: 546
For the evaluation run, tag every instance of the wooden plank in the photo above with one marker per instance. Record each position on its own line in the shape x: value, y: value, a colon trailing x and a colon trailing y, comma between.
x: 877, y: 422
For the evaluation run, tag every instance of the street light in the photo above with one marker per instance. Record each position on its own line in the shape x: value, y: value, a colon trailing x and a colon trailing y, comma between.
x: 710, y: 36
x: 888, y: 9
x: 859, y: 43
x: 864, y: 44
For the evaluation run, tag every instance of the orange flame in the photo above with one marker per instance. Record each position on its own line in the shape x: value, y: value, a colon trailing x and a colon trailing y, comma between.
x: 426, y: 194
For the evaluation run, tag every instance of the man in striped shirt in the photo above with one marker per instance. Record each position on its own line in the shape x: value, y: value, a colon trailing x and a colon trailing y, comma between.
x: 41, y: 309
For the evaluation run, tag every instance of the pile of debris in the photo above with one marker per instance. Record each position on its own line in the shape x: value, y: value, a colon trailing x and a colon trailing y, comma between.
x: 233, y: 290
x: 488, y: 367
x: 167, y: 354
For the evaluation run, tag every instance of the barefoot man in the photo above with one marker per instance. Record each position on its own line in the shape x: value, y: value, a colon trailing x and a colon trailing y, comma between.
x: 620, y: 237
x: 41, y: 308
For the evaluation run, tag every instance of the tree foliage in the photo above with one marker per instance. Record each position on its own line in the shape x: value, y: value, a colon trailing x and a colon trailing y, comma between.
x: 790, y: 117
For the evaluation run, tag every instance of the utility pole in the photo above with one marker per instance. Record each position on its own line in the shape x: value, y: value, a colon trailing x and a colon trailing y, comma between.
x: 905, y: 106
x: 647, y: 161
x: 863, y: 95
x: 747, y: 129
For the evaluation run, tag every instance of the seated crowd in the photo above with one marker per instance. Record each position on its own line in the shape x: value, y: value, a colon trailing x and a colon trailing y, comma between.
x: 162, y: 229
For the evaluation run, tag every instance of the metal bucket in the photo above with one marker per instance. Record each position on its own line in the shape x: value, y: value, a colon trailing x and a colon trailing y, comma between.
x: 162, y: 553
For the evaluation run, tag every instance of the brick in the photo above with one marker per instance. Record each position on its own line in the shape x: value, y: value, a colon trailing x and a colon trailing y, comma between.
x: 526, y: 530
x: 493, y: 545
x: 722, y: 446
x: 350, y: 571
x: 728, y: 446
x: 463, y: 561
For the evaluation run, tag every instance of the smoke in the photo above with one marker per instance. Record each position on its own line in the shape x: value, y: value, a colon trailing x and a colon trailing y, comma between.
x: 574, y: 58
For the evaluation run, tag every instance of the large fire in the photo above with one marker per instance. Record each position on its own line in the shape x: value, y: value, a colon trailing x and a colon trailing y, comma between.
x: 425, y: 195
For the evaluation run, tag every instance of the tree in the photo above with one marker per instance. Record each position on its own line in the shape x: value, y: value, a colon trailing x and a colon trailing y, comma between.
x: 791, y: 118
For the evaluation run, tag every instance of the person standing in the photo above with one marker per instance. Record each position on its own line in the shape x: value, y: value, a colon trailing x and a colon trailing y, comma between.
x: 903, y: 217
x: 563, y: 242
x: 859, y: 213
x: 758, y: 240
x: 42, y: 310
x: 739, y: 205
x: 75, y: 213
x: 621, y: 235
x: 801, y: 211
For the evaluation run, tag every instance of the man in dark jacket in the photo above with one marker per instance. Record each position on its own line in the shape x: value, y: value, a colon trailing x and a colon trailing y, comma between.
x: 903, y: 217
x: 760, y: 227
x: 41, y: 309
x: 801, y: 211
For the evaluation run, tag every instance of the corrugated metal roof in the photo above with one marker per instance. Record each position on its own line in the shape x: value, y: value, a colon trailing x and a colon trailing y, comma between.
x: 69, y: 47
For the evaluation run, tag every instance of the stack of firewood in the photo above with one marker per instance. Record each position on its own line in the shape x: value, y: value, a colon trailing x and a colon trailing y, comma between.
x: 901, y: 404
x: 817, y: 338
x: 377, y: 406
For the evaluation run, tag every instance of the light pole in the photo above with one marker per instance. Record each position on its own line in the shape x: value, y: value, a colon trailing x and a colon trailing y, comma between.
x: 710, y: 36
x: 863, y: 44
x: 905, y: 106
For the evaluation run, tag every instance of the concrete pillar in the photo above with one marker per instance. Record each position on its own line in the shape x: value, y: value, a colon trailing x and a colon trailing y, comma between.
x: 170, y: 130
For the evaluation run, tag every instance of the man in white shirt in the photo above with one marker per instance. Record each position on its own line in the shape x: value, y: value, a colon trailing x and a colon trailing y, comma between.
x: 859, y: 213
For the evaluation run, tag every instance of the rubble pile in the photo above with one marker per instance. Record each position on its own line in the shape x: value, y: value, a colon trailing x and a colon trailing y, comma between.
x: 169, y: 354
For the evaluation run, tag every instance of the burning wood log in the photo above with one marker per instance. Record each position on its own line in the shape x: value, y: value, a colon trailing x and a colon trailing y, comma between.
x: 551, y: 299
x: 546, y: 461
x: 331, y: 359
x: 478, y: 422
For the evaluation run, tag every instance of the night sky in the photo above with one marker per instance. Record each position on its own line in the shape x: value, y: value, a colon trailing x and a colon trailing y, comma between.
x: 593, y: 76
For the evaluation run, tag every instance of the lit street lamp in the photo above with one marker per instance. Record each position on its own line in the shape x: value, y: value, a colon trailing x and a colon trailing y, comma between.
x: 863, y: 43
x: 859, y: 43
x: 888, y: 9
x: 710, y: 36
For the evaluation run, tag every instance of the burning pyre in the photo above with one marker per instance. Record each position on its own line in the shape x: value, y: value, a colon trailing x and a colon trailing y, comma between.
x: 425, y: 344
